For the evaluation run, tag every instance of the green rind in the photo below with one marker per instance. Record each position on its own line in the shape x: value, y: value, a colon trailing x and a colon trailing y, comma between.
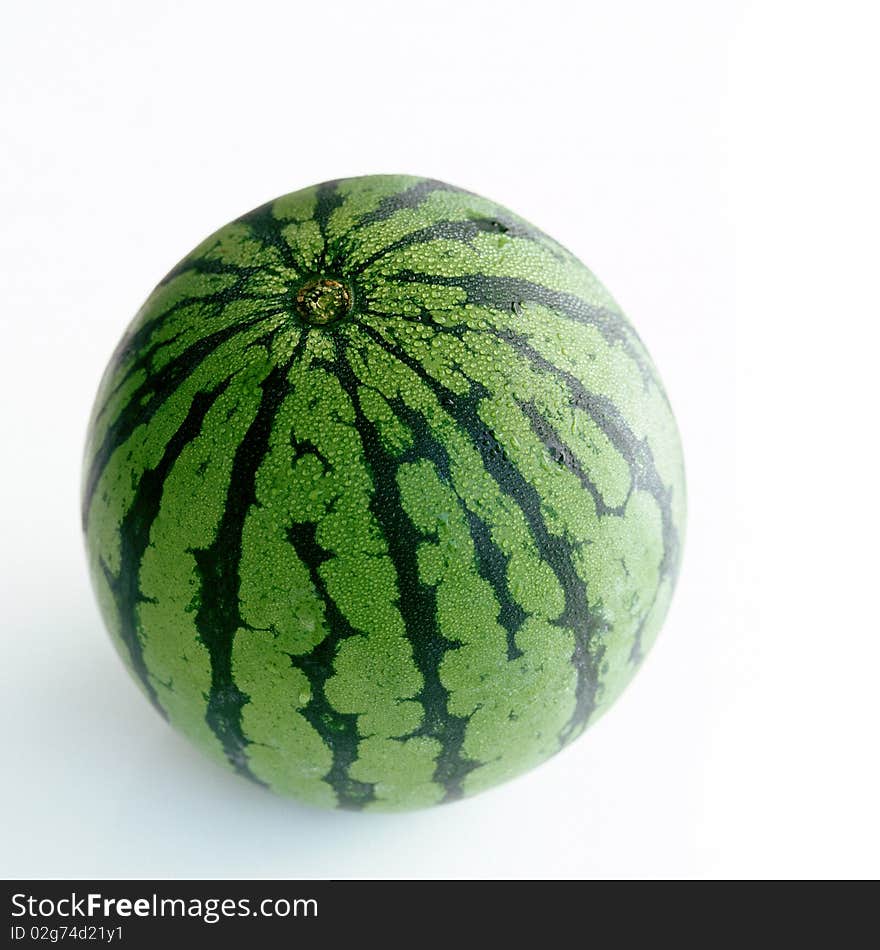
x: 396, y: 559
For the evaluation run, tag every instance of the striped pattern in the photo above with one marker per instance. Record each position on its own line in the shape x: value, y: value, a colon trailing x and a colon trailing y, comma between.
x: 397, y: 557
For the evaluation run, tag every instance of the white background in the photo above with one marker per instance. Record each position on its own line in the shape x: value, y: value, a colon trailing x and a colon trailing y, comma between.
x: 715, y: 164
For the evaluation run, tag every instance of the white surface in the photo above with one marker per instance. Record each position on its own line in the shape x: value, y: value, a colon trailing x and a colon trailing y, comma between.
x: 715, y: 164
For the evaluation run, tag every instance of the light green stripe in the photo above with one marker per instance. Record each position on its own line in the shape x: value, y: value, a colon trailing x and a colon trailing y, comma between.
x: 192, y: 505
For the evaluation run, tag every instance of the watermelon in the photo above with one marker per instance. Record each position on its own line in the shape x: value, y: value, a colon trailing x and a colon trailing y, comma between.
x: 383, y: 498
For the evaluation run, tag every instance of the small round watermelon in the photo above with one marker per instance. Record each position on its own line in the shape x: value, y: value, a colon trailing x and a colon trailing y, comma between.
x: 383, y: 497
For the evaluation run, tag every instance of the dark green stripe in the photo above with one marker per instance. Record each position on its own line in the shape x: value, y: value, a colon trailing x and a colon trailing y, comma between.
x: 217, y: 266
x: 411, y: 197
x: 507, y: 294
x: 562, y: 454
x: 266, y: 228
x: 132, y: 344
x: 142, y: 361
x: 191, y: 263
x: 636, y: 452
x: 416, y: 600
x: 218, y: 616
x: 149, y: 398
x: 555, y: 551
x: 462, y: 231
x: 134, y: 533
x: 451, y: 765
x: 491, y: 561
x: 327, y: 200
x: 492, y: 567
x: 339, y: 731
x: 608, y: 418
